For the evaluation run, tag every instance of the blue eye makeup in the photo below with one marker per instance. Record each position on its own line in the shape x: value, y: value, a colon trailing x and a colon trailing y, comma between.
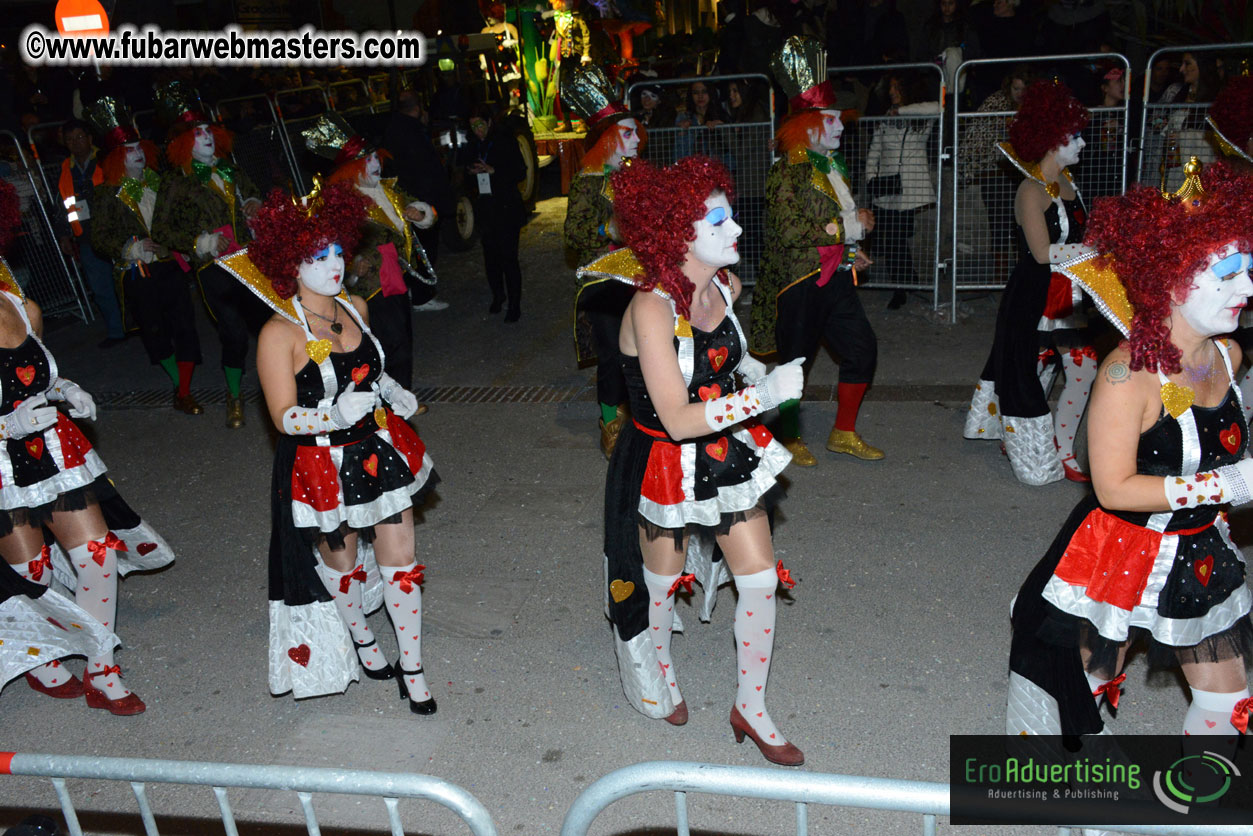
x: 1230, y: 265
x: 717, y: 215
x: 327, y: 252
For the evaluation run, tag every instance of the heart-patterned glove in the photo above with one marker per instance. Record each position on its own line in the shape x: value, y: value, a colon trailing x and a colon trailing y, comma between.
x: 784, y: 383
x: 403, y: 402
x: 349, y: 408
x: 31, y: 416
x: 1226, y: 484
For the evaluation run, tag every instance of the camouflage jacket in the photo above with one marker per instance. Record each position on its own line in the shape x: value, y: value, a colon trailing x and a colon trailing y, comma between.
x: 377, y: 231
x: 116, y: 219
x: 588, y: 213
x: 800, y: 202
x: 187, y: 207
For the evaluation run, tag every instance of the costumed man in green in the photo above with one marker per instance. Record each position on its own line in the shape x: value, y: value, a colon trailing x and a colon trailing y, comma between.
x: 154, y: 288
x: 202, y: 212
x: 807, y: 290
x: 613, y: 136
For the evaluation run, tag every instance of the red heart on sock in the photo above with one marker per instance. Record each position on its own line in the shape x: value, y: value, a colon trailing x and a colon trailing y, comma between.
x: 144, y: 548
x: 749, y: 614
x: 768, y: 631
x: 763, y: 660
x: 746, y: 644
x: 743, y: 671
x: 104, y: 600
x: 86, y: 589
x: 415, y: 612
x: 300, y: 655
x: 402, y: 629
x: 354, y: 624
x: 771, y: 595
x: 1211, y: 724
x: 758, y: 687
x: 772, y: 737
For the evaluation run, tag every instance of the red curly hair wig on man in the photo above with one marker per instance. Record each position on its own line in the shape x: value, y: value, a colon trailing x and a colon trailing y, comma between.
x: 1158, y: 245
x: 604, y: 139
x: 351, y: 171
x: 178, y: 152
x: 1047, y: 116
x: 284, y: 234
x: 114, y: 166
x: 657, y: 209
x: 1232, y: 111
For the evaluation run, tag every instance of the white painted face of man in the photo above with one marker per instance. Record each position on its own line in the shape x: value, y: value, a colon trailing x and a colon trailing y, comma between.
x: 827, y: 137
x: 204, y: 148
x: 134, y: 160
x: 628, y: 138
x: 1219, y: 293
x: 373, y: 170
x: 717, y: 233
x: 323, y: 272
x: 1068, y: 151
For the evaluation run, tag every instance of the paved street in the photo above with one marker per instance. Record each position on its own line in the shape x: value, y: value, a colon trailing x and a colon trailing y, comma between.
x: 895, y: 636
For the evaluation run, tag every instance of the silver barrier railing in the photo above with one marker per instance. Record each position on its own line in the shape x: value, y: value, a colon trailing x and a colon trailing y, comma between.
x: 801, y: 788
x: 260, y: 144
x: 1173, y: 131
x: 38, y: 264
x: 982, y: 249
x: 390, y: 787
x: 292, y: 123
x: 906, y: 241
x: 744, y: 147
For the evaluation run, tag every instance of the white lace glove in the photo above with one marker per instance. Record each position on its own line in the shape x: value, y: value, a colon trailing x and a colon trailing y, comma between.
x: 784, y: 383
x: 1229, y: 483
x: 1065, y: 252
x: 82, y: 405
x: 752, y: 369
x: 427, y: 221
x: 208, y: 243
x: 139, y: 249
x: 31, y: 416
x: 404, y: 403
x: 349, y: 408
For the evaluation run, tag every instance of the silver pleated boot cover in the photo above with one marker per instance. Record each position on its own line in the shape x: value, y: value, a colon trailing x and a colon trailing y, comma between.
x: 642, y: 679
x: 983, y: 420
x: 1030, y: 709
x: 1031, y: 450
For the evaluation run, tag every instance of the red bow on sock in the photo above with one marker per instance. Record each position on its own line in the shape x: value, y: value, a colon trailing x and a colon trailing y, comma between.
x: 408, y: 580
x: 1111, y: 690
x: 1045, y: 355
x: 357, y: 574
x: 97, y: 549
x: 108, y: 669
x: 1240, y: 714
x: 784, y: 575
x: 684, y: 581
x: 1077, y: 354
x: 44, y: 561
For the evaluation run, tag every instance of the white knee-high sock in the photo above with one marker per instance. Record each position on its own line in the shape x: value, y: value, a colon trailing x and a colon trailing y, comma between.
x: 754, y: 644
x: 1210, y: 712
x: 402, y: 593
x: 39, y: 570
x: 345, y: 589
x: 660, y: 625
x: 96, y: 565
x: 1078, y: 372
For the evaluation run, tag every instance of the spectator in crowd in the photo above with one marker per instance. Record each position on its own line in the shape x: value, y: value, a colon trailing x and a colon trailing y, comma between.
x: 950, y: 28
x: 1162, y: 77
x: 703, y: 108
x: 744, y: 102
x: 651, y: 109
x: 1183, y: 131
x: 1104, y: 174
x: 899, y: 162
x: 495, y: 163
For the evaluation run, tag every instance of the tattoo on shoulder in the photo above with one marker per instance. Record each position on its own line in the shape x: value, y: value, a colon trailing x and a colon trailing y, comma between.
x: 1117, y: 373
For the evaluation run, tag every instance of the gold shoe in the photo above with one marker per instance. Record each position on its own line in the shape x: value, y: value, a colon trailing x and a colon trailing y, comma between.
x: 801, y: 457
x: 234, y: 412
x: 187, y: 403
x: 848, y: 441
x: 609, y: 432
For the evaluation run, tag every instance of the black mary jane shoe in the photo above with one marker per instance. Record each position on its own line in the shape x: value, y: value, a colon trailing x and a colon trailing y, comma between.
x: 385, y: 672
x: 426, y: 707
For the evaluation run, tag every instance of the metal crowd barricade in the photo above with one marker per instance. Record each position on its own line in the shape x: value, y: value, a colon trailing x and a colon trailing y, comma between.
x: 304, y: 781
x: 905, y: 243
x: 297, y: 109
x: 40, y: 268
x: 1173, y: 131
x: 260, y: 144
x: 980, y: 197
x: 744, y: 147
x: 801, y: 788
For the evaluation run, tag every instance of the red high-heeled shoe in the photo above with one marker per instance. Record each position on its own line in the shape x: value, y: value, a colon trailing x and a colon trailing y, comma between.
x: 679, y: 716
x: 1072, y: 472
x: 784, y: 755
x: 123, y: 707
x: 70, y: 689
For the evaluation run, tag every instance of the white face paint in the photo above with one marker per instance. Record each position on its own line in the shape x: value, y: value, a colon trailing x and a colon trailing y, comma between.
x: 628, y: 138
x: 716, y: 233
x: 827, y: 138
x: 204, y: 149
x: 1219, y: 293
x: 323, y: 272
x: 373, y: 170
x: 134, y: 160
x: 1068, y: 151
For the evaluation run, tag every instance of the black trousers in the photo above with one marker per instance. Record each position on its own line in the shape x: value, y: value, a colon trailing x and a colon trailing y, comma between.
x: 236, y: 313
x: 893, y: 234
x: 809, y: 314
x: 161, y: 305
x: 604, y: 308
x: 500, y: 259
x: 391, y: 320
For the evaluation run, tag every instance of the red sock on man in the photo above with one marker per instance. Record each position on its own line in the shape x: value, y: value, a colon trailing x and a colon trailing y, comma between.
x: 850, y: 395
x: 185, y: 369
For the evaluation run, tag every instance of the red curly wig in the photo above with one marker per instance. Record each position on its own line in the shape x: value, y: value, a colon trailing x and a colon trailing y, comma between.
x: 351, y: 171
x: 1048, y: 115
x: 1158, y: 245
x: 284, y: 236
x: 1232, y: 111
x: 794, y: 132
x: 114, y: 166
x: 178, y: 152
x: 10, y: 215
x: 606, y: 142
x: 656, y: 210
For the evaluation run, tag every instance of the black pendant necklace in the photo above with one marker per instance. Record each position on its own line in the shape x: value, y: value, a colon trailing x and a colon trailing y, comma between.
x: 337, y: 327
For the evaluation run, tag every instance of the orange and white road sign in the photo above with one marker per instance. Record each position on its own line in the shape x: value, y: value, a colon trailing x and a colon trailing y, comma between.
x: 81, y: 18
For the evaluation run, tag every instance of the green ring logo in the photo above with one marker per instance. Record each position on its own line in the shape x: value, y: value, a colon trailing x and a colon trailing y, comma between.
x: 1193, y: 780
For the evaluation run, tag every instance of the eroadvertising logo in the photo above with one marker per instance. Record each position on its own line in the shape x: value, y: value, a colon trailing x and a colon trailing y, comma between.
x: 1099, y: 780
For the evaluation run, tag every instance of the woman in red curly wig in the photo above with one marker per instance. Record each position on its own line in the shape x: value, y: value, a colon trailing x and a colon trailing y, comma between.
x: 348, y: 469
x: 695, y: 461
x: 1149, y: 553
x: 1040, y: 325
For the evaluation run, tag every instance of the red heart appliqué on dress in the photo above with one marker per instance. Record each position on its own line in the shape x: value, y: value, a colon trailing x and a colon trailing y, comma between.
x: 26, y: 374
x: 359, y: 373
x: 300, y: 655
x: 717, y: 357
x: 709, y: 392
x: 1203, y: 569
x: 35, y: 447
x: 1230, y: 438
x: 717, y: 449
x: 145, y: 548
x: 371, y: 464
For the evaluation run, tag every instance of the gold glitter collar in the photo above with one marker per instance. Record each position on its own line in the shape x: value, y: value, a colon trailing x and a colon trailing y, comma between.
x: 1102, y: 284
x: 1032, y: 170
x: 8, y: 283
x: 239, y: 265
x: 1225, y: 145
